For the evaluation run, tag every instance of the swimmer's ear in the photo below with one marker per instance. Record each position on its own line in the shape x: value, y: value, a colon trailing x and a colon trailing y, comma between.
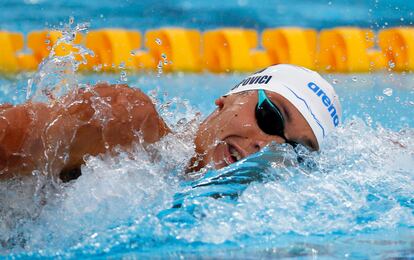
x: 220, y: 102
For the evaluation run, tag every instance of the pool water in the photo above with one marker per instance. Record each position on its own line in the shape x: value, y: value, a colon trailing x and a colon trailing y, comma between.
x: 354, y: 199
x: 28, y: 15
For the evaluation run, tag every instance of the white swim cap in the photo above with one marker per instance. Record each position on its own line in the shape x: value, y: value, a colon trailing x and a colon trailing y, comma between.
x: 312, y: 95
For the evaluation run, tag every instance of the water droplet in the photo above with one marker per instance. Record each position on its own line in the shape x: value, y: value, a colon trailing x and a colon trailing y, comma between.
x: 368, y: 120
x: 387, y: 92
x: 122, y: 65
x: 159, y: 68
x: 163, y: 56
x: 124, y: 76
x: 335, y: 81
x: 158, y: 41
x: 47, y: 41
x: 391, y: 64
x: 71, y: 20
x: 379, y: 98
x: 354, y: 79
x: 97, y: 67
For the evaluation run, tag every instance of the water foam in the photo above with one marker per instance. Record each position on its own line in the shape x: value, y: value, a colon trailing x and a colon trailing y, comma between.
x: 362, y: 181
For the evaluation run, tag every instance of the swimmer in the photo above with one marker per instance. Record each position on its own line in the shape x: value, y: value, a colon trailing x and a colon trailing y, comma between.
x: 282, y: 103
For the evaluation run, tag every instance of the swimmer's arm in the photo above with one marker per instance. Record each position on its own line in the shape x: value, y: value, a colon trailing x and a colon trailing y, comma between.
x: 21, y: 143
x: 55, y: 139
x: 115, y: 115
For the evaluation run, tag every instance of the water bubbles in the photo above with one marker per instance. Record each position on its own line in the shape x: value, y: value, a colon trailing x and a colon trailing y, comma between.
x: 387, y: 92
x: 56, y: 74
x: 379, y: 98
x: 158, y: 41
x: 123, y: 76
x: 159, y: 68
x: 97, y: 68
x: 368, y: 120
x: 391, y: 64
x: 335, y: 81
x: 163, y: 62
x: 354, y: 78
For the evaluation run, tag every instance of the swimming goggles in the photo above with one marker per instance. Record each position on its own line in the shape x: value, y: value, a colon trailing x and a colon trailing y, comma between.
x: 269, y: 118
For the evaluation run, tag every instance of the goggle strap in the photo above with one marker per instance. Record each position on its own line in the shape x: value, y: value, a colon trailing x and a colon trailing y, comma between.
x: 261, y: 97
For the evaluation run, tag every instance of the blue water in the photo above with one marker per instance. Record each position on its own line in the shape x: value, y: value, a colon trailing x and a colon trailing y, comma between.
x: 28, y: 15
x: 354, y: 199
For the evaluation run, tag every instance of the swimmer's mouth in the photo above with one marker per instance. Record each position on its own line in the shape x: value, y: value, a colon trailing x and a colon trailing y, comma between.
x: 234, y: 154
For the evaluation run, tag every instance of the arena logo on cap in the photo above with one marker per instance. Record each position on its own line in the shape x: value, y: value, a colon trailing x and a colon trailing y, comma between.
x: 326, y: 101
x: 264, y: 79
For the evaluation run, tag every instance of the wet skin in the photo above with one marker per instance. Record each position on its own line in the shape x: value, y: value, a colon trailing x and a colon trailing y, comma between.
x: 231, y: 132
x: 55, y: 138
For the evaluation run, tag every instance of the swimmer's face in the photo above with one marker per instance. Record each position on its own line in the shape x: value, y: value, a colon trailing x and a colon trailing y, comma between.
x: 231, y: 132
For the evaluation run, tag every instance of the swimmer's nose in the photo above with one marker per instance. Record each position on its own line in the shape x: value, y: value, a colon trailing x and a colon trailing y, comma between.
x: 258, y: 145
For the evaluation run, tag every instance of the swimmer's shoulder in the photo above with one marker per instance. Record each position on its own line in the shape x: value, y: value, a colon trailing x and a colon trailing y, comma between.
x: 116, y: 92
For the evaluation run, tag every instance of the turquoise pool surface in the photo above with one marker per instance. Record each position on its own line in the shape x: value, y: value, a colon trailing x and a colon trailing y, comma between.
x: 28, y: 15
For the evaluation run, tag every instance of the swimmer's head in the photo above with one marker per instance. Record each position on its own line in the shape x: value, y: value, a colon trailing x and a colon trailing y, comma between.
x: 282, y: 103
